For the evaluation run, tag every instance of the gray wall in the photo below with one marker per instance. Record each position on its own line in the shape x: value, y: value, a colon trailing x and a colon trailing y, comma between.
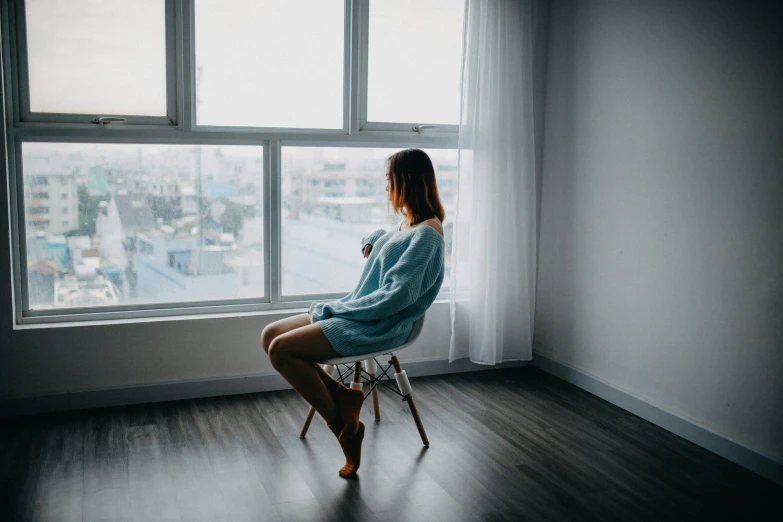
x: 661, y: 260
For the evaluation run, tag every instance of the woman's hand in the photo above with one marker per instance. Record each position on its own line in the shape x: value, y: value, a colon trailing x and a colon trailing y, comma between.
x: 366, y: 251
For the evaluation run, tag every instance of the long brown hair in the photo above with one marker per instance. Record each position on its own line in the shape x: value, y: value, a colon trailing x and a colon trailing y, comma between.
x: 413, y: 191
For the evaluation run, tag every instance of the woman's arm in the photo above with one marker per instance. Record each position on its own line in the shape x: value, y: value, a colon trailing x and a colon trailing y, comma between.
x: 369, y: 242
x: 372, y: 238
x: 416, y: 270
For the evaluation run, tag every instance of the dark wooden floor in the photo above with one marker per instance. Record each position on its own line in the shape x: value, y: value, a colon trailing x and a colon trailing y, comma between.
x: 505, y: 445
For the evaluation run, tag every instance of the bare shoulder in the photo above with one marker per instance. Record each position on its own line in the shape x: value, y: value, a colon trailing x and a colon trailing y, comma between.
x: 434, y: 223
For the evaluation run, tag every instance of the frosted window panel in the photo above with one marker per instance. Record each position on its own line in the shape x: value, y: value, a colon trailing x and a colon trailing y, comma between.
x: 414, y: 60
x: 97, y: 56
x: 142, y: 223
x: 332, y: 197
x: 270, y: 63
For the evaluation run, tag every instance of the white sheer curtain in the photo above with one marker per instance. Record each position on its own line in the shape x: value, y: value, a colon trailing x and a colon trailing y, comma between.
x: 494, y: 245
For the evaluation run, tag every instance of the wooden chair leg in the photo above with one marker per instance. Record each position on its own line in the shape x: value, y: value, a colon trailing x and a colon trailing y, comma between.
x: 357, y: 371
x: 357, y: 376
x: 409, y: 399
x: 371, y: 368
x: 308, y: 420
x: 375, y: 404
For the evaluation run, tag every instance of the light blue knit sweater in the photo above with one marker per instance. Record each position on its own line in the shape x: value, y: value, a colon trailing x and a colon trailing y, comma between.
x: 400, y: 280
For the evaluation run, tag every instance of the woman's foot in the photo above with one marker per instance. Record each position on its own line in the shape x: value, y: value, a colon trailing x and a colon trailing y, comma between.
x: 352, y: 449
x: 349, y: 404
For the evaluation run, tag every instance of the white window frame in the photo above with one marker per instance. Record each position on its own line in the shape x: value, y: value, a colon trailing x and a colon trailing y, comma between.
x: 19, y: 66
x: 180, y: 128
x: 361, y: 121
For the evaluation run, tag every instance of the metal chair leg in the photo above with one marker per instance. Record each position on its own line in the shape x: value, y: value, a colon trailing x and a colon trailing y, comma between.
x: 402, y: 382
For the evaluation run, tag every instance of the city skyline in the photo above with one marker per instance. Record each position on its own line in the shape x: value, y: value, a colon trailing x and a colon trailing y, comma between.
x: 175, y: 223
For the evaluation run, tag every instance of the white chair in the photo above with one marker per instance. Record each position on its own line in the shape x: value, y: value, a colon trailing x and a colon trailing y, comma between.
x: 401, y: 387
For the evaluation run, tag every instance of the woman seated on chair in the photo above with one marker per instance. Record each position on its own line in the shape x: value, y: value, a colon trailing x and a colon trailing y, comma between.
x: 400, y: 280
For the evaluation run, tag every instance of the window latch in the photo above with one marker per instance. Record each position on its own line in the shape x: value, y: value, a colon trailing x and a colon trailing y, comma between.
x: 419, y: 128
x: 108, y: 119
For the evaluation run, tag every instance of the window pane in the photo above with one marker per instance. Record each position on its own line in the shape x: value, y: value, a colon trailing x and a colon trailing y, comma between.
x: 270, y: 63
x: 331, y: 199
x: 414, y: 61
x: 142, y: 223
x: 97, y: 56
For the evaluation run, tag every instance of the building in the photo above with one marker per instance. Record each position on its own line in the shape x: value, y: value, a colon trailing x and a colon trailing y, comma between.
x: 348, y: 208
x: 125, y: 215
x: 181, y: 268
x: 51, y: 202
x: 71, y: 292
x: 96, y: 181
x: 341, y: 189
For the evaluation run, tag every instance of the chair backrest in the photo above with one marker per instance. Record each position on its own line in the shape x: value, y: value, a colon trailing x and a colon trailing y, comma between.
x: 418, y: 324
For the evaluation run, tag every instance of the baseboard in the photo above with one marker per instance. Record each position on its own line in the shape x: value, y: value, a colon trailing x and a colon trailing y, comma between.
x: 764, y: 465
x: 193, y: 389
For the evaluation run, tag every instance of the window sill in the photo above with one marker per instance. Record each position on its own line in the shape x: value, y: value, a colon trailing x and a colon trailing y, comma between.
x: 278, y: 313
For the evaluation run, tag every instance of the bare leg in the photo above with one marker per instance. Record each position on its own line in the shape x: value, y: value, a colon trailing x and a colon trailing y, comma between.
x: 327, y: 379
x: 294, y: 354
x: 286, y: 325
x: 280, y: 327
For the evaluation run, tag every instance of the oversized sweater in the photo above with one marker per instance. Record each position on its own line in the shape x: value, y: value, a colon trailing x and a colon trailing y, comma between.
x: 400, y: 280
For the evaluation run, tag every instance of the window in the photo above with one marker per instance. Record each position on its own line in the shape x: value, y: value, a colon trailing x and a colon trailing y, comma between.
x: 282, y: 66
x: 331, y: 198
x: 135, y: 222
x: 97, y: 57
x: 209, y: 154
x: 414, y: 64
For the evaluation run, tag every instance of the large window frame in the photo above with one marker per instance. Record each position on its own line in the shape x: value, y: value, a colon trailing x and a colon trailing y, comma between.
x: 180, y: 128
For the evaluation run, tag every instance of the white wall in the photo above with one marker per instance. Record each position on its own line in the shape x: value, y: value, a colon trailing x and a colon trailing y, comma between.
x: 54, y: 360
x: 661, y: 260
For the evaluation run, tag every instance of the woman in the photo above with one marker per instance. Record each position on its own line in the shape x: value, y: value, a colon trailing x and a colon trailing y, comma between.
x: 402, y: 277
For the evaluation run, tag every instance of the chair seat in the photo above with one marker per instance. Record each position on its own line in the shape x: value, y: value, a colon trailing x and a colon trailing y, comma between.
x: 362, y: 357
x: 415, y: 331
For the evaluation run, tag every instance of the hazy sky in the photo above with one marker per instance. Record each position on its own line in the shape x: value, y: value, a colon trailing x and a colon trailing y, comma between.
x: 261, y: 62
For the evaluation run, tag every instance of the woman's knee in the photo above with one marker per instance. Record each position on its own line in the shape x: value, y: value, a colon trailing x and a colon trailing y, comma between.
x: 268, y: 334
x: 277, y: 352
x: 278, y: 328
